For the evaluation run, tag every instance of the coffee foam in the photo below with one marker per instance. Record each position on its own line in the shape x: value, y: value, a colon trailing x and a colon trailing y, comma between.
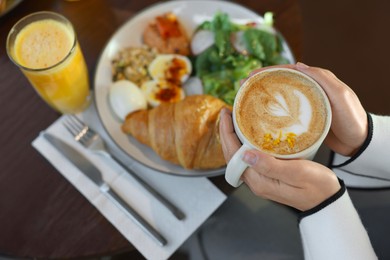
x: 280, y: 111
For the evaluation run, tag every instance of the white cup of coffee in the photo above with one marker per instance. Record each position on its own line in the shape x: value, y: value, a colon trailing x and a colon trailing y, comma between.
x: 281, y: 112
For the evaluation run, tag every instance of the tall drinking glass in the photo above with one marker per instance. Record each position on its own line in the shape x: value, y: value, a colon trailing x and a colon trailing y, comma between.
x: 45, y: 47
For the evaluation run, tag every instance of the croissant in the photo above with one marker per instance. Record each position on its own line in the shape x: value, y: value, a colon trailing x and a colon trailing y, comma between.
x: 184, y: 133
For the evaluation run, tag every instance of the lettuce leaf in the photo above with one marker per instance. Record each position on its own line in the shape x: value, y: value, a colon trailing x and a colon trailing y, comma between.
x: 221, y: 67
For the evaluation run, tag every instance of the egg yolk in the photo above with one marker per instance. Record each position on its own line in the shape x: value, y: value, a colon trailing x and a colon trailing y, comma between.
x: 171, y: 94
x: 176, y: 70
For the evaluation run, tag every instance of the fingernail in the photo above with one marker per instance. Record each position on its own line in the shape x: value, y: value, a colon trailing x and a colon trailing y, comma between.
x: 250, y: 158
x: 223, y: 111
x: 242, y: 81
x: 301, y: 65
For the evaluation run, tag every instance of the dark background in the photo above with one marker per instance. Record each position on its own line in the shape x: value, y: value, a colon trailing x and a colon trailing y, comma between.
x: 352, y: 39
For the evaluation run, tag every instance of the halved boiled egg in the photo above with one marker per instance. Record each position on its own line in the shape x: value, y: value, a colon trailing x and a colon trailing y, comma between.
x: 157, y: 92
x: 173, y: 68
x: 125, y: 97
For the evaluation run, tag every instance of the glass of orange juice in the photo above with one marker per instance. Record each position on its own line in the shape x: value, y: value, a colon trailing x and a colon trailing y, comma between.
x: 45, y: 47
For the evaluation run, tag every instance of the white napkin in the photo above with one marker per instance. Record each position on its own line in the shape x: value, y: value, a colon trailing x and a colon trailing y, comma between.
x: 197, y: 197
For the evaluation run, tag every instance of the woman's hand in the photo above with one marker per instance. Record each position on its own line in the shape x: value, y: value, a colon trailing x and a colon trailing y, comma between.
x: 349, y: 127
x: 300, y: 184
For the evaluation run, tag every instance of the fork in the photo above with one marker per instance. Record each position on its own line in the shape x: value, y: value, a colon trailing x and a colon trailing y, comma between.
x: 92, y: 140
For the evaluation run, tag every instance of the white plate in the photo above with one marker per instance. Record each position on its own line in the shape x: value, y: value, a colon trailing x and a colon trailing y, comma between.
x: 190, y: 14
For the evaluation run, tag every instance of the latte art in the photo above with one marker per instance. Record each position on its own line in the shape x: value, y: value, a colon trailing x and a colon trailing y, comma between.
x: 281, y: 112
x: 293, y: 112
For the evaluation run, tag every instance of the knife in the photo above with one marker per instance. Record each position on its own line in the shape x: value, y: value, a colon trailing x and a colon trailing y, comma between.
x: 94, y: 174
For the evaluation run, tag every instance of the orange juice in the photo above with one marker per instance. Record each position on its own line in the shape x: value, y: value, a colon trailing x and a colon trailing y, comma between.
x: 48, y: 54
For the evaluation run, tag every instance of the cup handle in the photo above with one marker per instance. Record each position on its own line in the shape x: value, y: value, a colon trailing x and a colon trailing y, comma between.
x: 236, y: 167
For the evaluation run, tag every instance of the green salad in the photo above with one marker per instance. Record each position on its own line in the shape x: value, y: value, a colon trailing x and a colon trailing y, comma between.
x: 236, y: 50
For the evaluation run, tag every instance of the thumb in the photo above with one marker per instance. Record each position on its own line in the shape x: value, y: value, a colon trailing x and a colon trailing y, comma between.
x: 287, y: 171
